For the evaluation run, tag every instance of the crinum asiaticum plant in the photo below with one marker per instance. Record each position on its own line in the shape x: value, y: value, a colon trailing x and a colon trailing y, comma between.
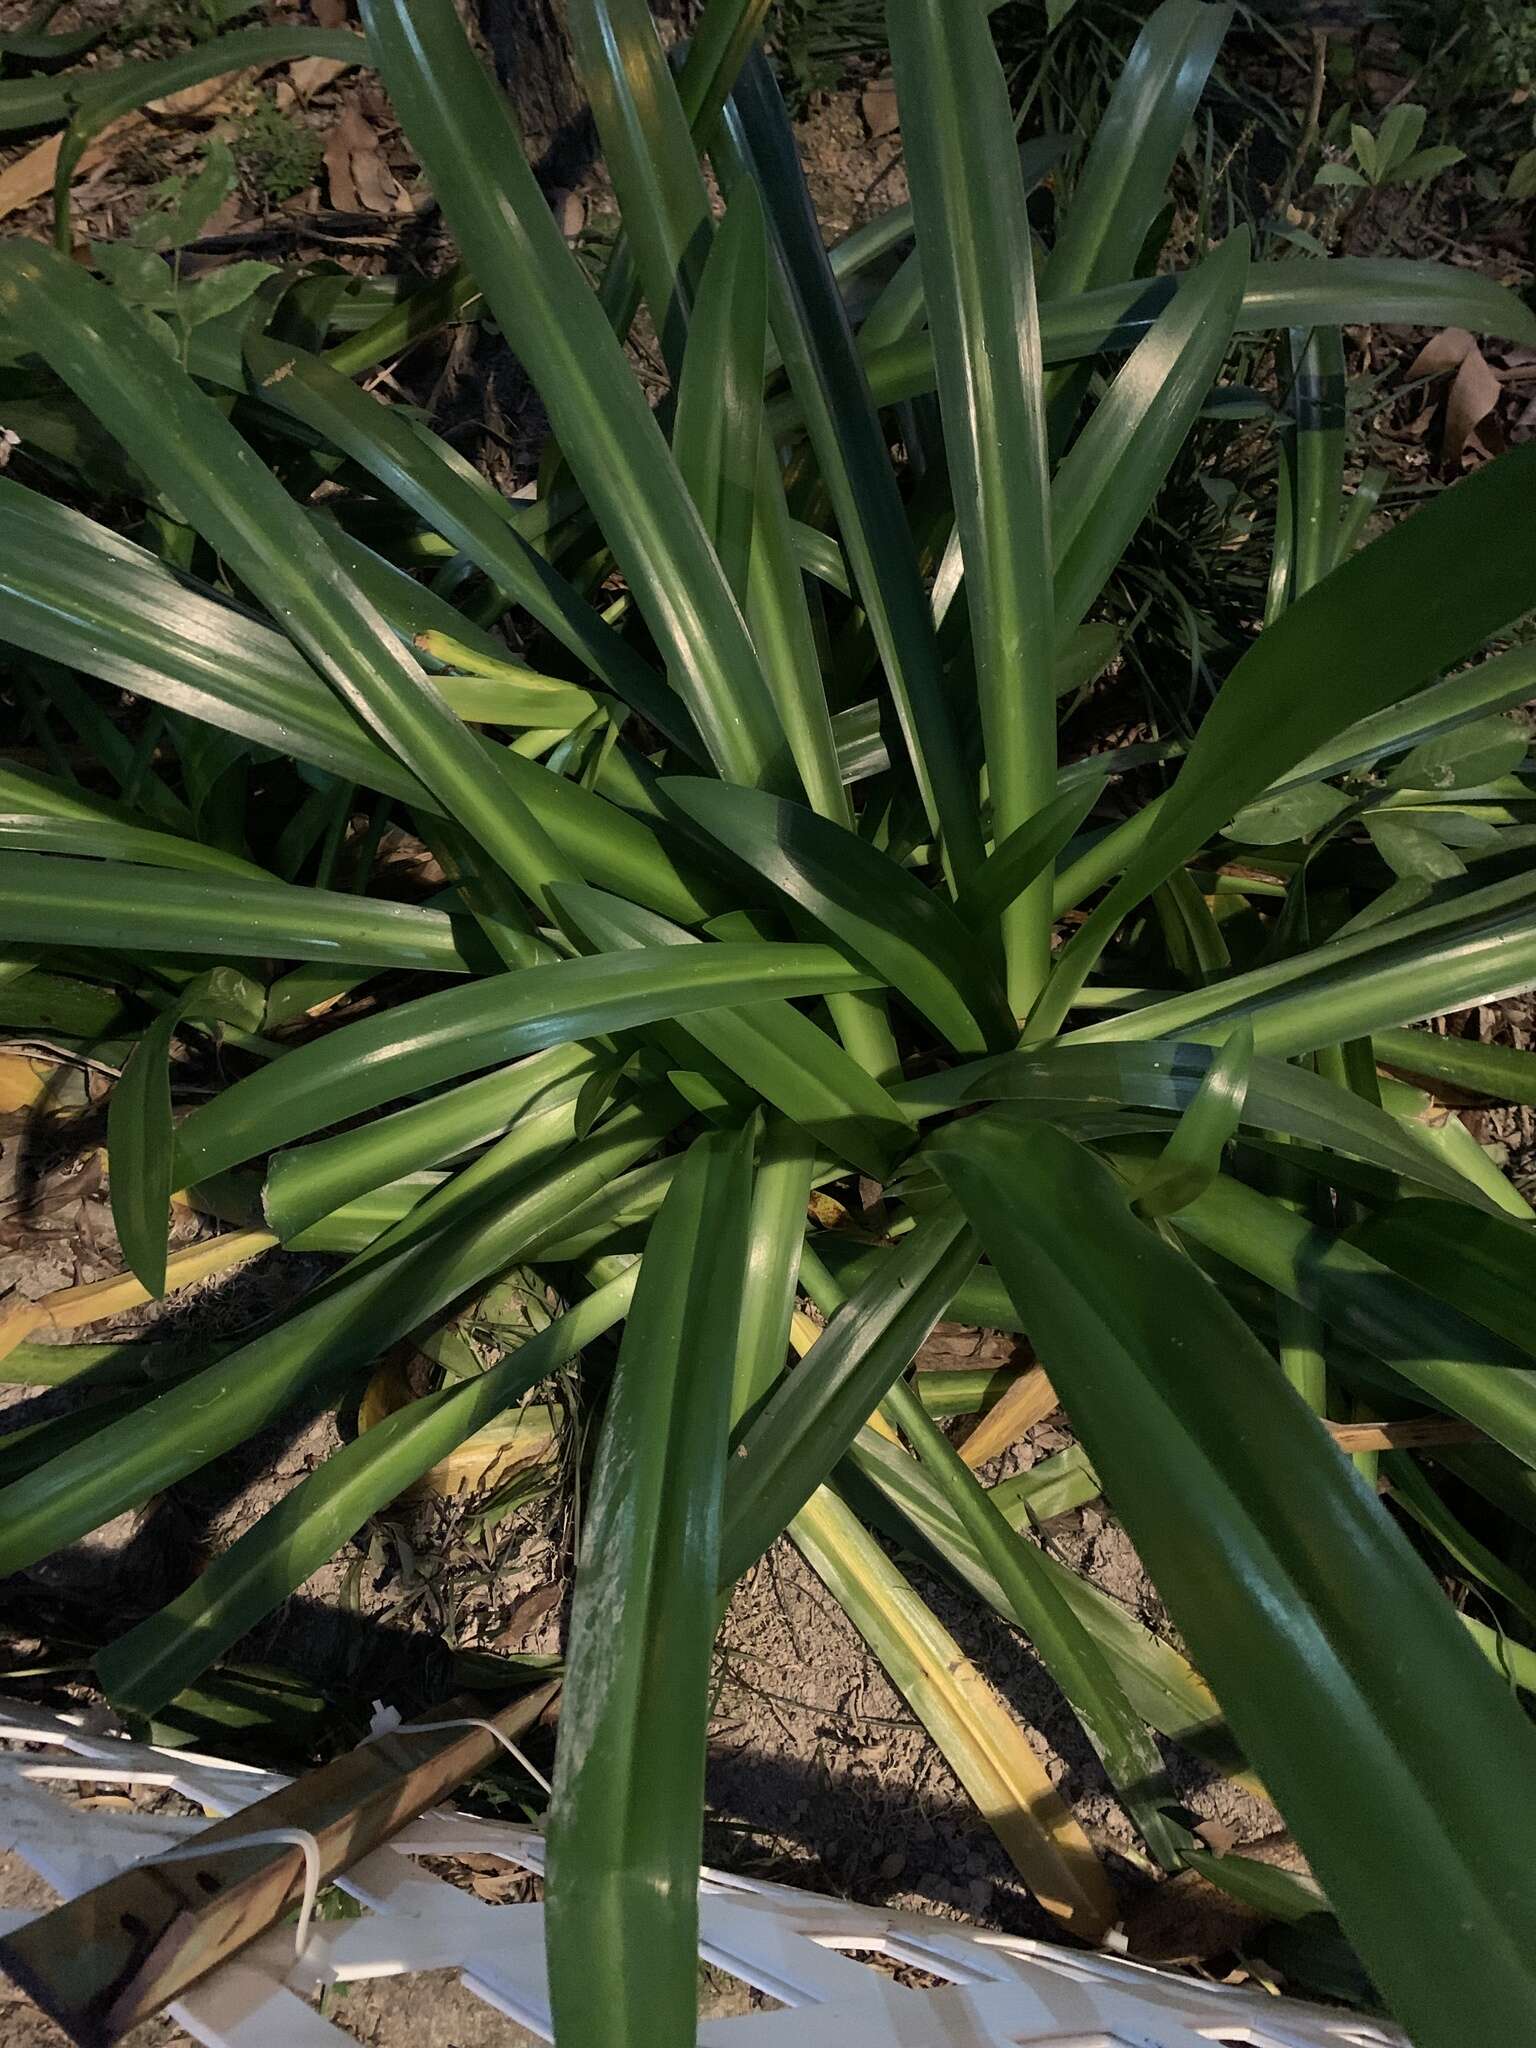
x: 764, y: 874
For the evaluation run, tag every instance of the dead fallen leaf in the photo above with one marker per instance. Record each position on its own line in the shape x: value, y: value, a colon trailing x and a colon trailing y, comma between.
x: 208, y: 96
x: 526, y: 1613
x: 878, y: 106
x: 1475, y: 390
x: 308, y: 74
x: 24, y: 1083
x: 569, y: 210
x: 1474, y: 394
x: 330, y: 13
x: 31, y: 176
x: 1027, y: 1401
x: 1442, y: 352
x: 359, y: 177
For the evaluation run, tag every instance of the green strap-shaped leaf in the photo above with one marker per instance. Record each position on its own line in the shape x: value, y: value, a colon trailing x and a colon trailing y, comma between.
x: 1125, y: 177
x: 1483, y: 1265
x: 1191, y: 1159
x: 424, y: 473
x: 1410, y: 1487
x: 420, y: 1044
x: 785, y: 1165
x: 1434, y: 713
x: 650, y: 156
x: 718, y: 427
x: 139, y: 1131
x: 1160, y: 1683
x: 781, y: 1055
x: 1317, y: 438
x: 347, y: 1321
x: 1115, y: 468
x: 1307, y: 291
x: 149, y: 1665
x: 463, y: 131
x: 810, y: 324
x: 979, y: 288
x: 1449, y: 1356
x: 1501, y: 1071
x: 817, y: 1411
x: 99, y: 902
x: 25, y: 831
x: 716, y: 50
x: 626, y: 1823
x: 1164, y: 1074
x: 1027, y: 852
x: 1468, y: 945
x: 728, y: 463
x: 1063, y: 1644
x: 867, y: 902
x: 1242, y: 1508
x: 183, y: 441
x: 76, y: 593
x: 307, y: 1182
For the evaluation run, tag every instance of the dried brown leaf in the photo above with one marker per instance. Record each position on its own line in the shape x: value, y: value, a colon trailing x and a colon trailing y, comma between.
x: 1474, y: 394
x: 1442, y: 353
x: 308, y: 74
x: 527, y: 1612
x: 878, y: 106
x: 359, y: 177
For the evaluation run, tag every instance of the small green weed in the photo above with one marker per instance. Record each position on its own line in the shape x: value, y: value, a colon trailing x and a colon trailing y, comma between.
x: 275, y: 155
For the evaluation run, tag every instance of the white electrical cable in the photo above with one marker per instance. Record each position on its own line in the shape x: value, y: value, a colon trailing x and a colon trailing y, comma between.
x: 264, y: 1838
x: 431, y: 1728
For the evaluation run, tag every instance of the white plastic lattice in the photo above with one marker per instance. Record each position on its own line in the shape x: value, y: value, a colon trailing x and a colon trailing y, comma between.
x: 998, y: 1991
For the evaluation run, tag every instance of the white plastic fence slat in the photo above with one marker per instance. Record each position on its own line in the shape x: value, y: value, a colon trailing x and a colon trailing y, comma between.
x: 984, y: 2016
x: 801, y: 1950
x: 240, y: 2005
x: 770, y: 1956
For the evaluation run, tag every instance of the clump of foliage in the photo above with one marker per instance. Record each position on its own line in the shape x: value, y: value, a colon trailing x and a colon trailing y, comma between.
x: 767, y: 875
x: 1392, y: 155
x: 277, y: 155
